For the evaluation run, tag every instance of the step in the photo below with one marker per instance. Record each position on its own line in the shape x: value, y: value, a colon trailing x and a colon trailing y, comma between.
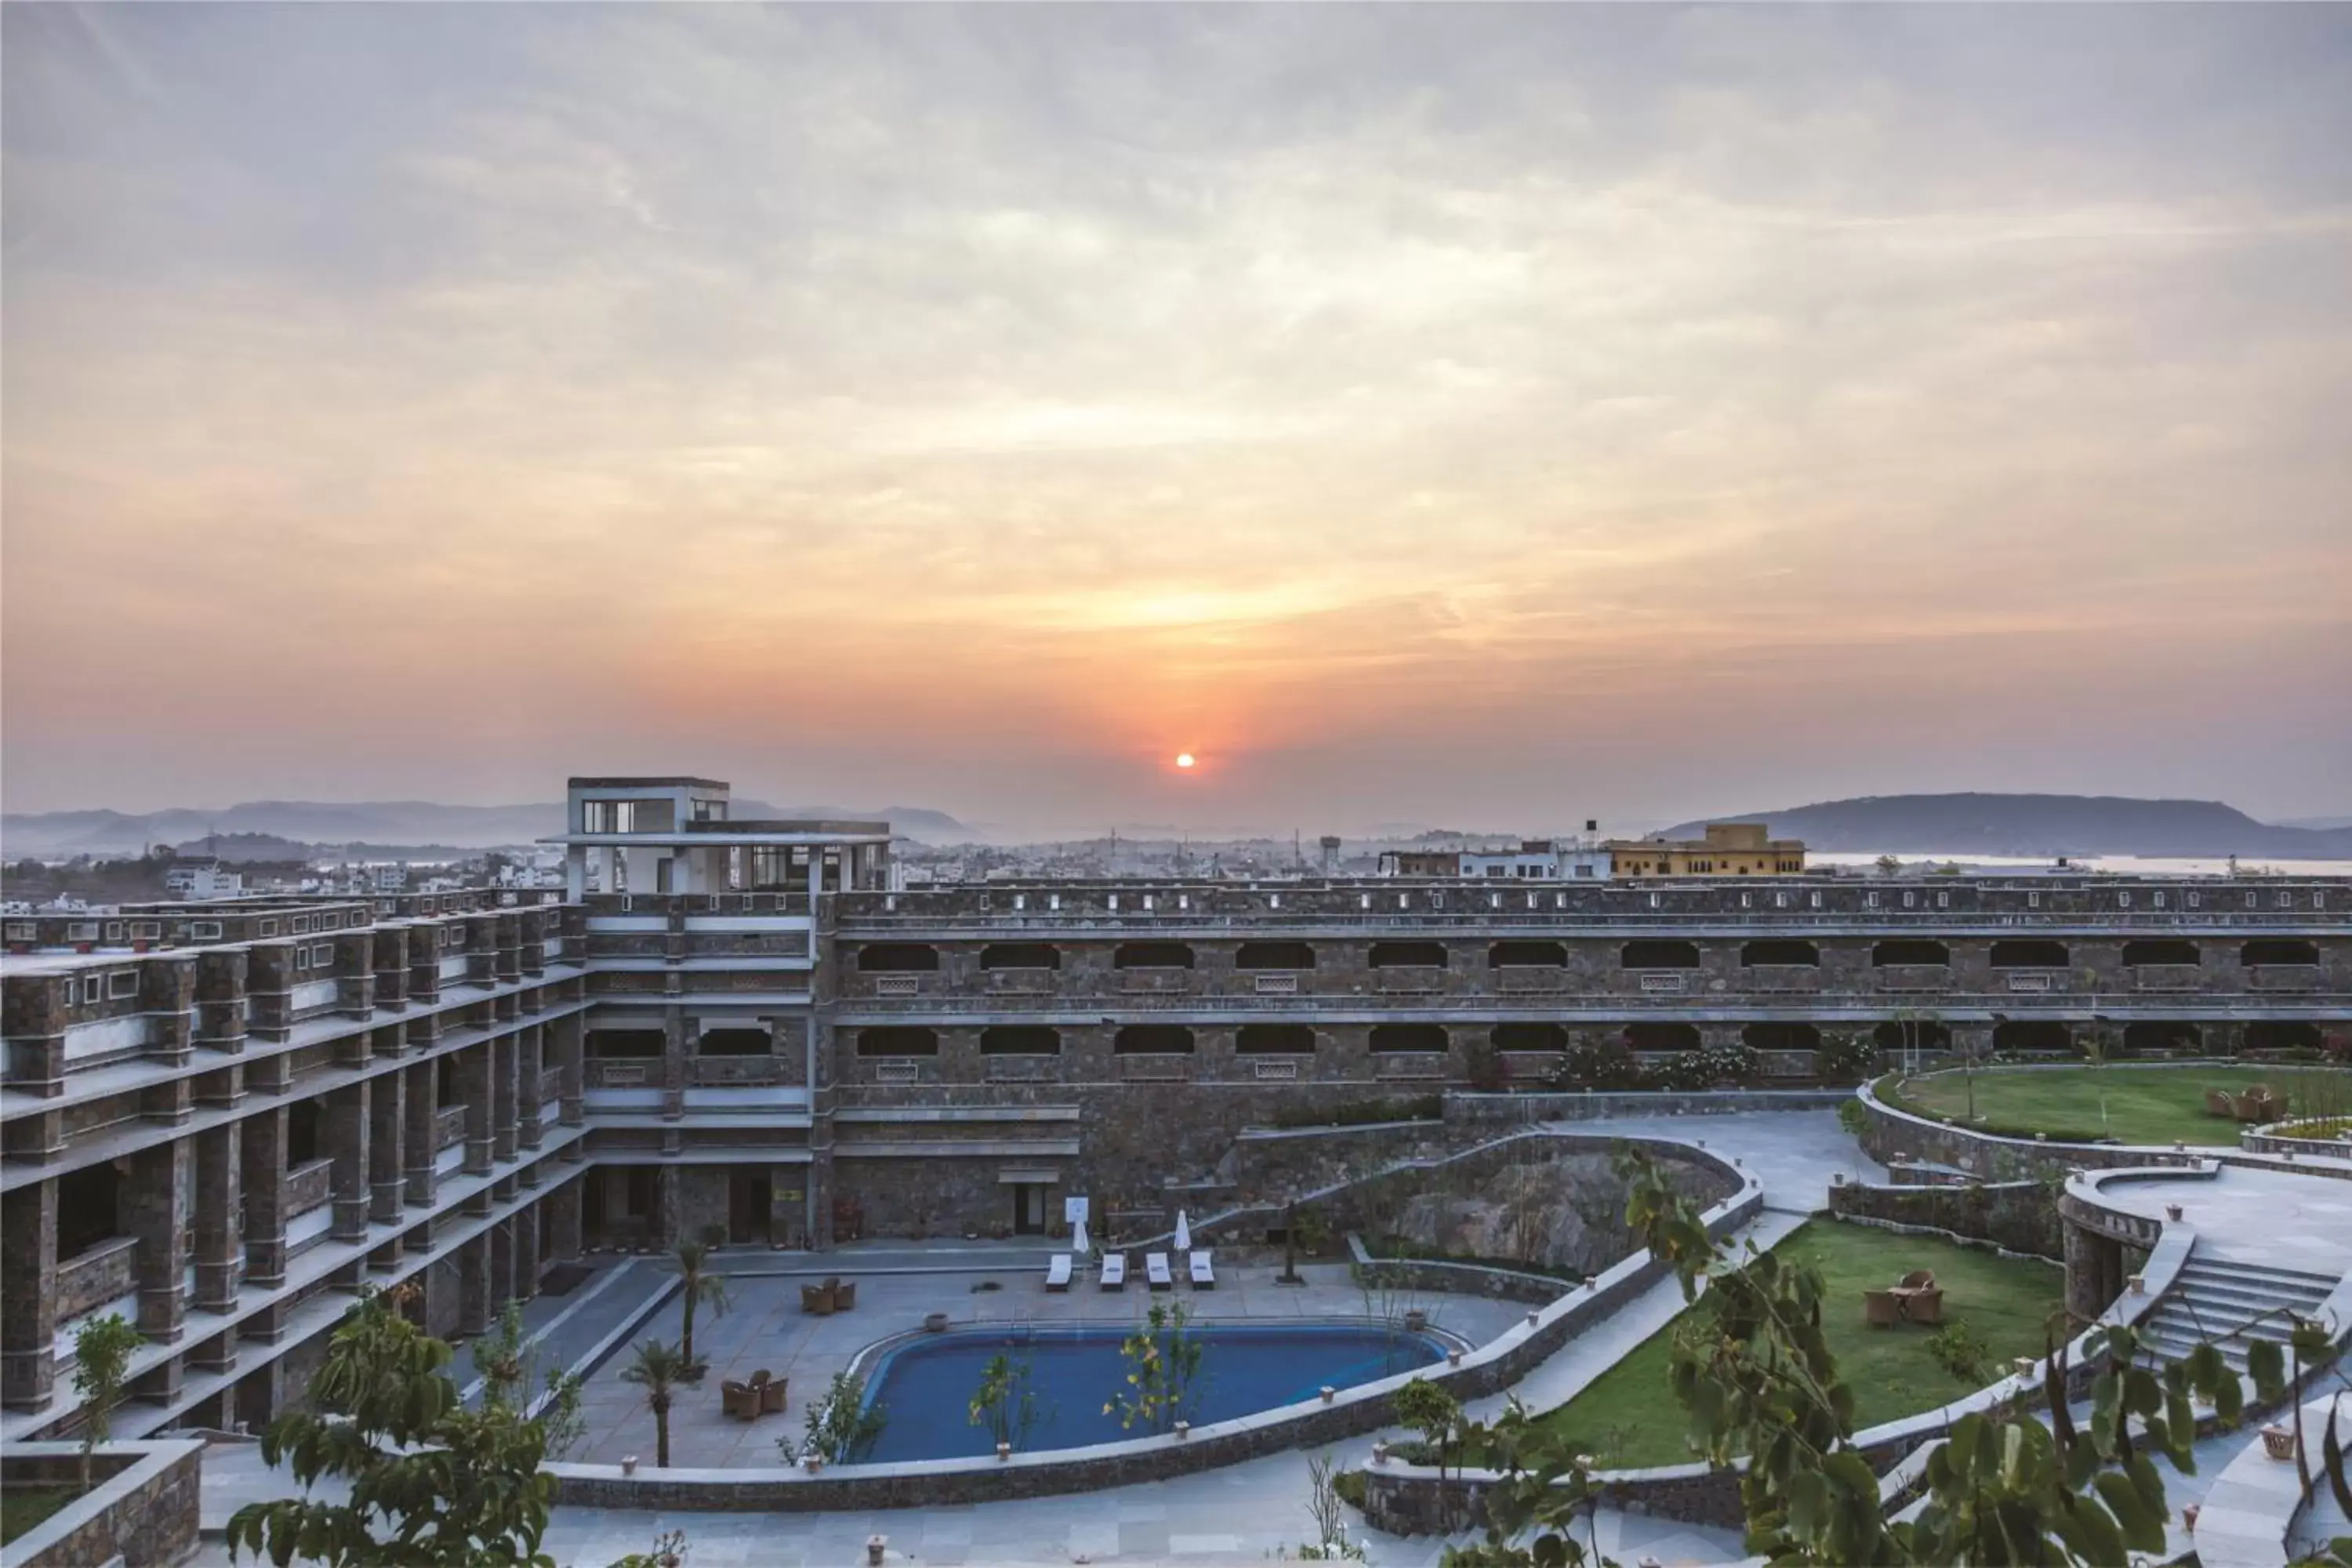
x: 2232, y: 1273
x: 2250, y: 1296
x: 2162, y: 1347
x: 2217, y: 1328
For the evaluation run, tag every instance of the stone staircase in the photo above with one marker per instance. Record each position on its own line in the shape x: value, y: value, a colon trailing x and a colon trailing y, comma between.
x: 2229, y: 1302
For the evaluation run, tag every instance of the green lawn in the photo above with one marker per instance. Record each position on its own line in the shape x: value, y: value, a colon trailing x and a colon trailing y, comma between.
x: 2130, y: 1104
x: 21, y: 1507
x: 1628, y: 1417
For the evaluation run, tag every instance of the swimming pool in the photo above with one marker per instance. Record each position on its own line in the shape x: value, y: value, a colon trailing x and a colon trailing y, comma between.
x: 924, y: 1387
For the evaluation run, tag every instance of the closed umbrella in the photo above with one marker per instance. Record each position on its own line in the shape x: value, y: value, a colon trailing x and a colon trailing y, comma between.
x: 1078, y: 1238
x: 1183, y: 1232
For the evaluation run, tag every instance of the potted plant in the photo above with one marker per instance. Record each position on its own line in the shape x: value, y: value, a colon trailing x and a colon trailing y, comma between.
x: 2278, y: 1441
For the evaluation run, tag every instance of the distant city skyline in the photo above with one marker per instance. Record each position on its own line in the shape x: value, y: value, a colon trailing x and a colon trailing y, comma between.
x: 1465, y: 416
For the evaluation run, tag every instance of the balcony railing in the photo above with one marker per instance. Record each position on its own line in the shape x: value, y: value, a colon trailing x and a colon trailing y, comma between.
x: 309, y: 1185
x: 448, y: 1126
x: 102, y: 1272
x: 721, y: 1071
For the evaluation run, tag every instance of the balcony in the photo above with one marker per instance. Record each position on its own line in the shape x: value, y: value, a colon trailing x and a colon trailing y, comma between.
x: 106, y: 1271
x: 2277, y: 977
x: 1154, y: 982
x: 309, y: 1186
x: 2168, y: 977
x: 1784, y: 979
x: 1903, y: 977
x: 1411, y: 980
x: 448, y: 1126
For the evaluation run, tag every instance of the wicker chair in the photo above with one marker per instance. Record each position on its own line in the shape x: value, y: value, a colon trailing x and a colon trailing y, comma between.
x: 817, y: 1299
x: 844, y: 1295
x: 740, y: 1400
x: 1917, y: 1279
x: 772, y: 1391
x: 2219, y: 1104
x: 1880, y: 1308
x: 1925, y: 1306
x: 2259, y: 1104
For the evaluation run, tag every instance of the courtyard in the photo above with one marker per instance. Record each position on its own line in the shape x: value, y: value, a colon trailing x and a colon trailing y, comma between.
x: 2124, y: 1102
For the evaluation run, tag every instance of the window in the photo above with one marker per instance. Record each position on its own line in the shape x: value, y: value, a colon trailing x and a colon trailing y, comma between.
x: 114, y: 931
x: 21, y: 930
x: 146, y: 931
x: 1052, y: 901
x: 1114, y: 901
x: 122, y: 982
x: 608, y: 816
x: 1274, y: 901
x: 323, y: 955
x: 92, y: 988
x: 204, y: 931
x: 2195, y: 900
x: 2123, y: 900
x: 267, y: 928
x: 1817, y: 901
x: 302, y: 926
x: 302, y: 958
x: 1872, y: 900
x: 1020, y: 901
x: 1910, y: 900
x: 1943, y: 900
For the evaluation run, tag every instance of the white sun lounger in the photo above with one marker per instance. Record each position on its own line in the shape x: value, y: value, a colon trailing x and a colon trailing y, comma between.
x: 1204, y: 1277
x: 1155, y: 1268
x: 1057, y: 1272
x: 1113, y: 1271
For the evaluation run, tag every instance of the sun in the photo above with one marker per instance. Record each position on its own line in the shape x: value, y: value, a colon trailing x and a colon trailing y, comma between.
x: 1184, y: 759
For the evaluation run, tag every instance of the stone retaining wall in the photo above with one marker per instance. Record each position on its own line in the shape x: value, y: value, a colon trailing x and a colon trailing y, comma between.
x: 1453, y: 1279
x: 2017, y: 1216
x: 1594, y: 1105
x: 143, y: 1509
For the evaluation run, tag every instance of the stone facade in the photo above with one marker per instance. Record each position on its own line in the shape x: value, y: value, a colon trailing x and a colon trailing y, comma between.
x: 2019, y: 1216
x: 143, y: 1509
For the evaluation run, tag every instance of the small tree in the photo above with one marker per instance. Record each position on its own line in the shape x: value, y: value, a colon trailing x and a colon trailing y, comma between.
x: 1163, y: 1371
x: 508, y: 1363
x: 839, y: 1426
x: 693, y: 1258
x: 1005, y: 1403
x: 102, y: 1351
x: 431, y: 1483
x: 1435, y: 1414
x: 659, y: 1370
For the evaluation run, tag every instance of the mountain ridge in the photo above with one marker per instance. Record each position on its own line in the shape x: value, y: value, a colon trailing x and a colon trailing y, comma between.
x: 1985, y: 822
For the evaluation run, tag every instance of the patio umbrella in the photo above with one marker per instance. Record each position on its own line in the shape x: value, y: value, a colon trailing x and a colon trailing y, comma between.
x: 1078, y: 1238
x: 1183, y: 1232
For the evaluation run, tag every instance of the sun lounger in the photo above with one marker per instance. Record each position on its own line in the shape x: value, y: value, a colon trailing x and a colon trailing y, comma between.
x: 1204, y: 1277
x: 1057, y: 1272
x: 1113, y: 1271
x: 1155, y: 1269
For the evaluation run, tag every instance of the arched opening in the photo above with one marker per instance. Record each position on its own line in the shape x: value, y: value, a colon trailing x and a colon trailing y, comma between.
x: 2029, y: 953
x: 2282, y: 1035
x: 898, y: 1040
x: 1906, y: 952
x: 1020, y: 1040
x: 1663, y: 1037
x: 1274, y: 955
x: 1020, y: 955
x: 2160, y: 950
x: 2266, y: 950
x: 734, y: 1042
x: 1389, y: 1037
x: 1918, y: 1034
x: 897, y: 958
x: 2033, y: 1036
x: 1782, y: 1036
x: 2161, y: 1034
x: 1530, y: 1034
x: 1781, y: 950
x: 1152, y: 955
x: 1152, y: 1040
x: 302, y: 1120
x: 1655, y: 952
x: 608, y: 1045
x: 1528, y: 955
x: 89, y: 1208
x: 1408, y: 955
x: 1275, y: 1040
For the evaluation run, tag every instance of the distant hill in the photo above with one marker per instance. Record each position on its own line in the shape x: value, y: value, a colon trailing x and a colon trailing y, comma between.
x: 2035, y: 825
x: 52, y: 834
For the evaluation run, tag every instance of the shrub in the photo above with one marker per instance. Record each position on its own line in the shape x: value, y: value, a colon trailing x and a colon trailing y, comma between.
x: 1687, y: 1071
x: 1846, y: 1058
x: 1485, y: 1068
x: 1366, y: 1112
x: 1608, y: 1065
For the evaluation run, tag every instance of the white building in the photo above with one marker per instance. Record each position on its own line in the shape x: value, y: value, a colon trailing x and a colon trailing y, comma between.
x: 1537, y: 860
x: 203, y: 879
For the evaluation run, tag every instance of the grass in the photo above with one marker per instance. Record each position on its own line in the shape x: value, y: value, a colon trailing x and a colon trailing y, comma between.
x: 1627, y: 1418
x: 21, y: 1507
x: 2128, y: 1104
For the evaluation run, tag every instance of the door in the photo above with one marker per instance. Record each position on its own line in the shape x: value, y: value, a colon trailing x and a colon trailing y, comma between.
x: 747, y: 1206
x: 1029, y: 1208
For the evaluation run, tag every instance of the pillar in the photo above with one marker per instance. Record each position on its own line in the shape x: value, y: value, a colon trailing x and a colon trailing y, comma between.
x: 502, y: 1266
x: 423, y: 1109
x: 155, y: 1204
x: 346, y: 1128
x: 387, y: 1143
x: 220, y: 1217
x: 563, y: 1221
x: 503, y: 1121
x: 473, y: 1089
x: 265, y: 1198
x: 529, y: 1049
x: 28, y: 1295
x: 474, y: 1286
x: 526, y: 1251
x: 570, y: 1032
x: 787, y: 1206
x: 668, y: 1222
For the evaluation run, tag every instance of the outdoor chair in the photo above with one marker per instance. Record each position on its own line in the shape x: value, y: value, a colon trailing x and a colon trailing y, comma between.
x: 1113, y: 1271
x: 1880, y: 1308
x: 1923, y: 1306
x: 1155, y: 1269
x: 1057, y: 1272
x: 817, y: 1299
x: 844, y: 1295
x: 740, y: 1400
x: 771, y: 1391
x: 2259, y: 1104
x: 1917, y: 1279
x: 1204, y: 1276
x: 2219, y: 1104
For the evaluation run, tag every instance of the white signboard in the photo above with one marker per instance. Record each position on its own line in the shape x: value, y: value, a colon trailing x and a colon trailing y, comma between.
x: 1073, y: 1211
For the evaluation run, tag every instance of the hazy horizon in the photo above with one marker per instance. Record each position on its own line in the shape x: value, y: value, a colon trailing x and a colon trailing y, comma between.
x: 1465, y: 415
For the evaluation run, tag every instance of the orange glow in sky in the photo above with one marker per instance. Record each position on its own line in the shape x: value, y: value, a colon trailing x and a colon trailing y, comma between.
x: 1184, y: 759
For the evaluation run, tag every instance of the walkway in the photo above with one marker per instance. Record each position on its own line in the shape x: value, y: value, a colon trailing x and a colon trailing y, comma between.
x: 2268, y: 1216
x: 1793, y: 1153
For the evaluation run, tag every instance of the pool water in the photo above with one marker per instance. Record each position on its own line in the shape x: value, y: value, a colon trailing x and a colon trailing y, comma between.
x: 925, y: 1387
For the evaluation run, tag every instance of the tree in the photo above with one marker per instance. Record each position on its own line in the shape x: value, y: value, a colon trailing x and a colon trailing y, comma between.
x: 1753, y: 1372
x: 1435, y: 1414
x: 1163, y: 1372
x: 1005, y: 1403
x: 700, y: 1286
x: 659, y: 1369
x: 102, y: 1351
x: 431, y: 1483
x: 509, y: 1366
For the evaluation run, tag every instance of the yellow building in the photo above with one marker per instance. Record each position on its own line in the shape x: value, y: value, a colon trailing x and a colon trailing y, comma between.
x: 1730, y: 850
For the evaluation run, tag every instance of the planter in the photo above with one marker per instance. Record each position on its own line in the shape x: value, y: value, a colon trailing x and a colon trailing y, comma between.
x: 2278, y: 1442
x: 1415, y: 1321
x: 813, y: 1463
x: 2172, y: 1211
x: 935, y: 1322
x: 1454, y: 1357
x: 2188, y: 1517
x: 628, y: 1464
x: 1380, y: 1453
x: 875, y: 1545
x: 1183, y: 1430
x: 2137, y: 1284
x: 1004, y: 1450
x: 1328, y: 1392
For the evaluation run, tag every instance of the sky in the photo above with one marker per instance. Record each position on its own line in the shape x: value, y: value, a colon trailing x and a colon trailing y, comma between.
x: 1494, y: 418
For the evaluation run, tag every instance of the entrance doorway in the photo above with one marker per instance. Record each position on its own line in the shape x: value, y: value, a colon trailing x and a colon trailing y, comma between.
x: 1029, y: 1208
x: 747, y: 1207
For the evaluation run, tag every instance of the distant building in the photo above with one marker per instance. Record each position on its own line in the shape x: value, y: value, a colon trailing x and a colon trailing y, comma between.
x: 1537, y: 860
x: 1421, y: 863
x: 1730, y: 850
x: 203, y: 879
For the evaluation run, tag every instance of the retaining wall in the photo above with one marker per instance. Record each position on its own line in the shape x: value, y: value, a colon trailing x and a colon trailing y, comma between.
x: 143, y: 1509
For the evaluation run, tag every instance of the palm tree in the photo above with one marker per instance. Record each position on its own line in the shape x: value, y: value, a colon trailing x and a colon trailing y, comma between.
x: 699, y: 1287
x: 658, y: 1368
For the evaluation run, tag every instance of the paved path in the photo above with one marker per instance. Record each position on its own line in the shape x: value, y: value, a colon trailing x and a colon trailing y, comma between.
x: 2260, y: 1216
x: 1794, y: 1153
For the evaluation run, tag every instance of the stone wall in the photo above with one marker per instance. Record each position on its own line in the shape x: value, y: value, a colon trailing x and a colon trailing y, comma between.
x: 2021, y: 1217
x: 144, y: 1508
x: 1406, y: 1500
x: 1582, y: 1105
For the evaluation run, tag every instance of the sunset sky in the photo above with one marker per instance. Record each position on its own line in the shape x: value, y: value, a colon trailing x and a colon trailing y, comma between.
x: 1488, y: 416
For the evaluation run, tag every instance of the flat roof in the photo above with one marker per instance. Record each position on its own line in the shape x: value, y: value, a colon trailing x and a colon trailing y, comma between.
x: 631, y: 781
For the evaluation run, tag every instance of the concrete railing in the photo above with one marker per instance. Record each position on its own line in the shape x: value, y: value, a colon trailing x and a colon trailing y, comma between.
x: 104, y: 1272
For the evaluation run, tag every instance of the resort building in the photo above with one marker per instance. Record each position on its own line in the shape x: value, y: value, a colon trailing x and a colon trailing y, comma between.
x: 222, y: 1118
x: 1728, y: 849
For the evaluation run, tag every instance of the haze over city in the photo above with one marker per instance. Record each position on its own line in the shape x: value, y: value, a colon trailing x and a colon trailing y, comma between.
x: 1478, y: 416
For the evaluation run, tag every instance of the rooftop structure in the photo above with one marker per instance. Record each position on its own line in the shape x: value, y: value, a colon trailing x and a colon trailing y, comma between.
x: 1728, y: 849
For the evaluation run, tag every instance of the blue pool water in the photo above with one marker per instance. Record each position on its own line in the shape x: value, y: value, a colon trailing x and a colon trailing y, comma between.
x: 925, y: 1387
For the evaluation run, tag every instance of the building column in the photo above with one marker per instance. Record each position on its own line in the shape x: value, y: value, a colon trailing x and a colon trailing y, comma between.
x: 563, y: 1238
x: 526, y: 1252
x: 530, y: 1047
x: 2094, y: 1265
x: 502, y: 1262
x: 265, y: 1198
x: 346, y: 1128
x: 473, y: 1306
x: 387, y: 1146
x: 473, y: 1089
x: 28, y: 1295
x: 668, y: 1220
x: 503, y: 1086
x: 423, y: 1124
x: 787, y: 1206
x: 570, y: 1034
x: 220, y: 1216
x: 155, y: 1203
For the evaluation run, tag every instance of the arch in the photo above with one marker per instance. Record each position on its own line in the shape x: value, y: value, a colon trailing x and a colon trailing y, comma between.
x: 2029, y: 953
x: 2282, y: 1035
x: 2162, y: 1034
x: 898, y: 1040
x: 897, y: 958
x: 2160, y: 950
x: 1781, y: 1037
x: 1275, y: 1040
x: 1530, y: 1034
x: 606, y: 1044
x: 1921, y: 1033
x: 1525, y: 954
x: 1021, y: 955
x: 1408, y: 1038
x: 1663, y: 1037
x: 1275, y: 955
x: 1152, y: 1040
x: 1020, y: 1040
x: 1908, y: 950
x: 734, y: 1041
x: 1658, y: 953
x: 2265, y: 950
x: 1152, y: 955
x: 2045, y: 1036
x: 1408, y: 955
x: 1781, y: 950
